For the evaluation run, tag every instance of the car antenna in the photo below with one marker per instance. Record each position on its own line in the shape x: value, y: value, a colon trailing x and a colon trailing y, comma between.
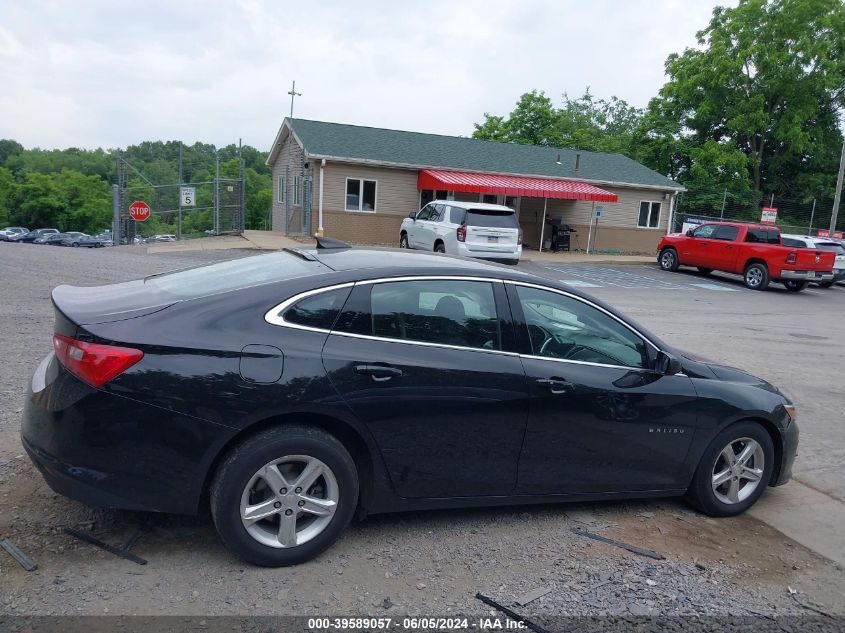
x: 327, y: 243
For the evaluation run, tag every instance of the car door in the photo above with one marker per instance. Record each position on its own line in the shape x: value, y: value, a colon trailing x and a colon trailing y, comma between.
x: 600, y: 420
x: 722, y: 253
x: 427, y: 231
x: 417, y: 227
x: 423, y: 364
x: 695, y: 250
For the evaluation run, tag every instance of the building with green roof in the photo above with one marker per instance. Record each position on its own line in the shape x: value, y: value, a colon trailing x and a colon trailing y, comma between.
x: 357, y: 183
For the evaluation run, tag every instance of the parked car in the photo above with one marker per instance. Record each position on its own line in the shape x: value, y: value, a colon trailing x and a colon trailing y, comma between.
x: 468, y: 229
x: 160, y: 238
x: 51, y: 239
x: 72, y: 238
x: 12, y: 231
x: 31, y: 236
x: 96, y: 241
x: 292, y: 389
x: 751, y: 250
x: 808, y: 241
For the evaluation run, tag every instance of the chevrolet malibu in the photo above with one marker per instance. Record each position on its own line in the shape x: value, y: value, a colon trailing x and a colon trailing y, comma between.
x: 293, y: 390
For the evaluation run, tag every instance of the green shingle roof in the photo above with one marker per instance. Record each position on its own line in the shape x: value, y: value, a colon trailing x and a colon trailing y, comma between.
x: 415, y: 149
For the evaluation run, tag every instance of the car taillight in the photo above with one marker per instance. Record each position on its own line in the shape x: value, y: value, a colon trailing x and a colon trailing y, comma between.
x: 790, y: 259
x: 519, y: 238
x: 462, y: 233
x: 93, y: 363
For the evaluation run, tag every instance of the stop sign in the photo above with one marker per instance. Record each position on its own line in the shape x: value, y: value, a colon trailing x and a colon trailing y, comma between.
x: 139, y: 211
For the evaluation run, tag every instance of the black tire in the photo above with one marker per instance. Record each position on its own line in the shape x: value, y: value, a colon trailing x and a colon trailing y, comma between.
x: 795, y: 286
x: 247, y: 458
x: 668, y: 259
x: 705, y: 271
x: 825, y: 284
x: 439, y: 247
x: 756, y: 276
x: 75, y: 244
x: 701, y: 494
x: 403, y: 241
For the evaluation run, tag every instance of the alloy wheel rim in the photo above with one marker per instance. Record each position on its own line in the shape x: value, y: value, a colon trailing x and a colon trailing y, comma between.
x: 754, y: 277
x: 738, y: 470
x: 667, y: 259
x: 289, y: 501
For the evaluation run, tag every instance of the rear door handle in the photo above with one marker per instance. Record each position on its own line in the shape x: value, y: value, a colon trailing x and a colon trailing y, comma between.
x: 379, y: 373
x: 555, y: 384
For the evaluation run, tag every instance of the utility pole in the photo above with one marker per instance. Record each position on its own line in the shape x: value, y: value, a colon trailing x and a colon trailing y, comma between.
x: 216, y: 191
x: 812, y: 214
x: 242, y: 168
x: 293, y: 93
x: 838, y: 196
x: 724, y: 200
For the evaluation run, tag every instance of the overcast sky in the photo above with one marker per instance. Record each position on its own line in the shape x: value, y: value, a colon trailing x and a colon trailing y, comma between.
x: 106, y: 73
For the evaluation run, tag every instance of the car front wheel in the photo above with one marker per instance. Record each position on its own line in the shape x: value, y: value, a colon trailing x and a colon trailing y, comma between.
x: 403, y: 241
x: 734, y: 470
x: 284, y: 495
x: 669, y: 259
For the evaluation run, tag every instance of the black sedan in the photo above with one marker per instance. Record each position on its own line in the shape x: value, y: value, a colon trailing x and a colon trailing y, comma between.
x: 294, y: 389
x: 37, y: 233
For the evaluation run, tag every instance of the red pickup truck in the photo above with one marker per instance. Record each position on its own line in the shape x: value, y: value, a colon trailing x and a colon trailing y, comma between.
x: 751, y: 250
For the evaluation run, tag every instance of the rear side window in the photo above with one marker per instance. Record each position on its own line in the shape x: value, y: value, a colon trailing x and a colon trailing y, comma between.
x: 763, y: 236
x: 492, y: 219
x: 457, y: 215
x: 318, y: 311
x: 447, y: 312
x: 792, y: 242
x: 727, y: 233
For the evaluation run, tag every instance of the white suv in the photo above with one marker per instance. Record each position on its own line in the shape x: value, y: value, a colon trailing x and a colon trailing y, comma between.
x: 469, y: 229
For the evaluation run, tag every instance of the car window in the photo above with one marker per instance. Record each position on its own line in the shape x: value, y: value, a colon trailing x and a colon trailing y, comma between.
x: 763, y: 236
x: 425, y: 212
x: 447, y: 312
x: 491, y: 219
x: 439, y: 212
x: 319, y: 311
x: 704, y: 231
x: 727, y: 233
x: 456, y: 215
x: 831, y: 246
x: 566, y: 328
x: 792, y: 242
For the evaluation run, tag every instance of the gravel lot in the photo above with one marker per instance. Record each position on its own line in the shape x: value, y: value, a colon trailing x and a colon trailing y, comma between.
x: 417, y: 563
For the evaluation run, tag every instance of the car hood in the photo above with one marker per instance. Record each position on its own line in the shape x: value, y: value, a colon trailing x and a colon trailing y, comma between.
x: 699, y: 367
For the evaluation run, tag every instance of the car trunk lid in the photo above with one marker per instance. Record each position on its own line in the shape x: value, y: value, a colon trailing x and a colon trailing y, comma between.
x: 491, y: 231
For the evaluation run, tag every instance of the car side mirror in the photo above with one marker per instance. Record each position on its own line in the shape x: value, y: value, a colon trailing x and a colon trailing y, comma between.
x: 667, y: 364
x: 689, y: 233
x: 413, y: 215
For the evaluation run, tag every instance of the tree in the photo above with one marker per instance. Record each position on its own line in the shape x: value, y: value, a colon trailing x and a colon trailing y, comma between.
x: 768, y: 80
x: 587, y: 123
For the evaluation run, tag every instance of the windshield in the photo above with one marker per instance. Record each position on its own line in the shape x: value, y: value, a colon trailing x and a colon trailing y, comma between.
x: 238, y: 273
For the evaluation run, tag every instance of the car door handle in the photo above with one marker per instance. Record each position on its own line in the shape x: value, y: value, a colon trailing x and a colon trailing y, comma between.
x: 379, y: 373
x: 555, y: 384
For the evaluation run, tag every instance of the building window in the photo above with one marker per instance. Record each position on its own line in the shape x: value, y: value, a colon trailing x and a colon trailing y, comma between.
x: 297, y: 189
x: 649, y: 215
x: 360, y: 195
x: 283, y: 185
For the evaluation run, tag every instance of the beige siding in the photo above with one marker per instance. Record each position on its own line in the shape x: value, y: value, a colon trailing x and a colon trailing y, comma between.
x: 290, y: 161
x: 396, y: 196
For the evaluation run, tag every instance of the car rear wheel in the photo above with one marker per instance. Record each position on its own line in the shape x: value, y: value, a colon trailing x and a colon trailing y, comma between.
x: 705, y: 271
x: 795, y: 286
x: 756, y: 276
x: 734, y: 470
x: 439, y: 248
x: 403, y: 241
x: 284, y: 495
x: 668, y: 259
x: 75, y: 244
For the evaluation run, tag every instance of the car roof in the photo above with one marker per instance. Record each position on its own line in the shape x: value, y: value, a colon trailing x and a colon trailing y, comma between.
x: 474, y: 205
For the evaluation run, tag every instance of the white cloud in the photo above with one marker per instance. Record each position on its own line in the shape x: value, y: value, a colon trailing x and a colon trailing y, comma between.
x: 100, y: 73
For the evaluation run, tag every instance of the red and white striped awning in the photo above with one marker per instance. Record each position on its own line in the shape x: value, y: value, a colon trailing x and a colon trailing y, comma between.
x: 512, y: 185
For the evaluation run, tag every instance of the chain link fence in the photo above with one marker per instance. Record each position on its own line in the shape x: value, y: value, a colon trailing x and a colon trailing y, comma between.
x: 800, y: 217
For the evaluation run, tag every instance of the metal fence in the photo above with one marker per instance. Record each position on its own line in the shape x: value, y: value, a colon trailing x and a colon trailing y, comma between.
x: 801, y: 217
x: 186, y: 210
